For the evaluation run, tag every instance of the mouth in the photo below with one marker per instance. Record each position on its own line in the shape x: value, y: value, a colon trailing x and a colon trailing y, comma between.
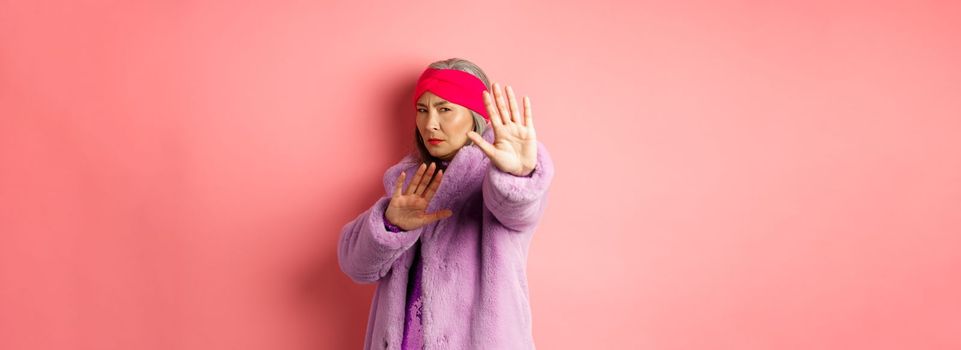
x: 434, y: 141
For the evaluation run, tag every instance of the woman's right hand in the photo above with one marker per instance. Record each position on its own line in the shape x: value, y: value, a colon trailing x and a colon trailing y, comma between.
x: 408, y: 209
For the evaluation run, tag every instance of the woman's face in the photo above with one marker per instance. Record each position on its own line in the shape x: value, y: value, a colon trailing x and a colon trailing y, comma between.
x: 443, y: 125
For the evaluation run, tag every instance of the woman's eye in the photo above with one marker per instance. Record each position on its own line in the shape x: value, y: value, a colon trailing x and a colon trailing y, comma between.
x: 443, y: 109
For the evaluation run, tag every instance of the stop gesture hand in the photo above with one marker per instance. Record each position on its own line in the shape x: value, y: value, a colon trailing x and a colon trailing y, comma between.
x: 514, y: 149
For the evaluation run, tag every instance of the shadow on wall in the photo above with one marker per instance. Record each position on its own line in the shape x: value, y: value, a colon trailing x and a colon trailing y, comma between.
x: 331, y: 307
x: 400, y: 123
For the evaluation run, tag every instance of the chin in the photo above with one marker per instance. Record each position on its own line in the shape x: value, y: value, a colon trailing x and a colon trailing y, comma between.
x: 439, y: 155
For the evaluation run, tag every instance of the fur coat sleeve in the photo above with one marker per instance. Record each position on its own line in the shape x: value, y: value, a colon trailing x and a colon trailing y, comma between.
x: 367, y: 250
x: 518, y: 201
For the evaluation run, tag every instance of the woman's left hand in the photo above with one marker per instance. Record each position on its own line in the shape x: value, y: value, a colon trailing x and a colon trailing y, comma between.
x: 515, y: 144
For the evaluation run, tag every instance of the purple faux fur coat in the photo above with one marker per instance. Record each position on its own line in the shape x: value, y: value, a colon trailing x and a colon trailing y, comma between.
x: 474, y: 263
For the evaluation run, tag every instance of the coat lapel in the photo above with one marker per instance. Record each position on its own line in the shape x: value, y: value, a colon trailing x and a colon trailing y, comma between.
x: 463, y: 177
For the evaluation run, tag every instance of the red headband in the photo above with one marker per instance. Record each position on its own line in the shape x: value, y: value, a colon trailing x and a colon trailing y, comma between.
x: 455, y: 86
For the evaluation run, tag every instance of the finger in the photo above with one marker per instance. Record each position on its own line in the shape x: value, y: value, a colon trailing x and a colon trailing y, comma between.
x: 528, y: 116
x: 399, y: 183
x: 426, y: 179
x: 501, y: 104
x: 434, y: 184
x: 438, y: 215
x: 492, y: 111
x: 512, y: 100
x: 413, y: 182
x: 482, y: 143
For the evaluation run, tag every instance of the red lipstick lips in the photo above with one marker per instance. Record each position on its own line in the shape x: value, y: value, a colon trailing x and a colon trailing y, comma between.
x: 434, y: 141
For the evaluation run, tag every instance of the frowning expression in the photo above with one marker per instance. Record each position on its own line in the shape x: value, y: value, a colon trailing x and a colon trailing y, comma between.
x: 443, y: 125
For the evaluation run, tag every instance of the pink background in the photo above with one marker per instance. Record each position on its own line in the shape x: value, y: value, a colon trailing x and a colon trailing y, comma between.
x: 730, y: 174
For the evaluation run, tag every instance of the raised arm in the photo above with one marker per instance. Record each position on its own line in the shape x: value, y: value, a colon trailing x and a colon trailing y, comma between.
x: 367, y: 249
x: 519, y: 201
x: 521, y: 170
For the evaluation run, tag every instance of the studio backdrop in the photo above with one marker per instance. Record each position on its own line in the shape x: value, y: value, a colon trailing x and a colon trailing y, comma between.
x: 729, y: 174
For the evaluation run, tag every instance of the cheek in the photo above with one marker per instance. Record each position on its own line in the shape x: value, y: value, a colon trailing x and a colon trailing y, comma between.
x: 467, y: 122
x: 463, y: 128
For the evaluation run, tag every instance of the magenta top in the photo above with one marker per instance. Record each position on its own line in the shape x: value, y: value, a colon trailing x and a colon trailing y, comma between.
x: 413, y: 333
x: 413, y: 323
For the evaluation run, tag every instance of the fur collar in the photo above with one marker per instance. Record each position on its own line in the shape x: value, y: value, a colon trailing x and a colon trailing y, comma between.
x: 463, y: 176
x: 462, y: 179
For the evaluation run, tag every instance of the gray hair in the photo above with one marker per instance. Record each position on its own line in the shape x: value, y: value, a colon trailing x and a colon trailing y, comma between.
x: 480, y: 124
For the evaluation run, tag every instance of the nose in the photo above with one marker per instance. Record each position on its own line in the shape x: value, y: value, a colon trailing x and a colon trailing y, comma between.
x: 433, y: 121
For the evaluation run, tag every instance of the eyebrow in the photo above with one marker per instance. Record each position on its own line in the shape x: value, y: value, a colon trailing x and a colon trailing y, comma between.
x: 435, y: 104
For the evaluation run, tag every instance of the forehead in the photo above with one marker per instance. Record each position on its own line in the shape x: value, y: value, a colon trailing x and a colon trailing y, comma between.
x: 428, y: 96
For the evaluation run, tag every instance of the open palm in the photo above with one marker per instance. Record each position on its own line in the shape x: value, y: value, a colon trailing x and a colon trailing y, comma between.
x: 408, y: 209
x: 515, y: 144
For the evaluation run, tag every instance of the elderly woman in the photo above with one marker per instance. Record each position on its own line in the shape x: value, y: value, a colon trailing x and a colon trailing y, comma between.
x: 447, y: 244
